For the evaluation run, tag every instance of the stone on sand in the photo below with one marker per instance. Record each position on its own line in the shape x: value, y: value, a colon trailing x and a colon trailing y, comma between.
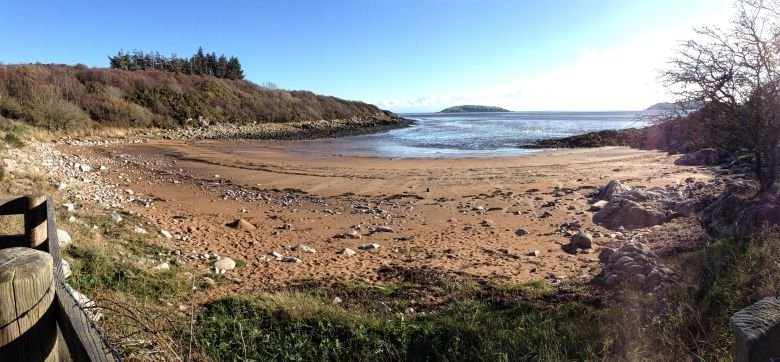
x: 582, y: 240
x: 347, y: 252
x: 369, y: 246
x: 241, y: 224
x: 290, y: 259
x: 304, y: 248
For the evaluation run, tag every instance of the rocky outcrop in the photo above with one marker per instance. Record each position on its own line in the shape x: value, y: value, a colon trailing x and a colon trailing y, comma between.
x: 703, y: 157
x: 634, y: 265
x: 613, y: 188
x: 623, y: 212
x: 737, y: 212
x: 638, y: 208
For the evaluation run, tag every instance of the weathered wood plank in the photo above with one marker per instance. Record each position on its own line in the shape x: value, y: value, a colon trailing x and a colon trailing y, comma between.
x: 84, y: 344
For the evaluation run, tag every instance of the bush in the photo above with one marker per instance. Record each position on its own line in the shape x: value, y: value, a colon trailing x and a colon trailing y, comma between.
x: 13, y: 140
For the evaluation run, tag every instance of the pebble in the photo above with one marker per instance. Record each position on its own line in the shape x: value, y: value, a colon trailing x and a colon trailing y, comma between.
x: 64, y: 238
x: 226, y: 264
x: 347, y: 252
x: 166, y: 234
x: 207, y: 281
x: 304, y: 248
x: 69, y: 207
x: 66, y: 271
x: 369, y: 246
x: 521, y: 232
x: 384, y: 308
x: 384, y: 229
x: 290, y: 259
x: 116, y: 217
x: 164, y: 266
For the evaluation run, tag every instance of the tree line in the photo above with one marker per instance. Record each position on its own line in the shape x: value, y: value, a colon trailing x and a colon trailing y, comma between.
x: 200, y: 63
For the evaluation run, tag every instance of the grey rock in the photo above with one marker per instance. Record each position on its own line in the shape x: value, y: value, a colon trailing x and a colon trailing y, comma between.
x: 304, y: 248
x: 290, y: 259
x: 225, y: 263
x: 628, y: 214
x: 347, y: 252
x: 64, y: 238
x: 703, y: 157
x: 582, y: 240
x: 613, y: 188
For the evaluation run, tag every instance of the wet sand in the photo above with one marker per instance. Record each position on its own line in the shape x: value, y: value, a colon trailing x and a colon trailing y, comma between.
x: 454, y: 215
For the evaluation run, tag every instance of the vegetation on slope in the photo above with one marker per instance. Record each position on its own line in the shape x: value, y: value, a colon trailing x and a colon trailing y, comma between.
x: 64, y: 98
x: 471, y: 108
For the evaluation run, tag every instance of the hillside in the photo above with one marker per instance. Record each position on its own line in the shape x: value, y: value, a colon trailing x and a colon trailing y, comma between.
x: 67, y: 98
x: 472, y: 108
x: 668, y: 106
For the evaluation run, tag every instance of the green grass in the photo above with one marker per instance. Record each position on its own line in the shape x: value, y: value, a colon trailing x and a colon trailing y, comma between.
x: 13, y: 140
x: 528, y: 321
x: 303, y: 327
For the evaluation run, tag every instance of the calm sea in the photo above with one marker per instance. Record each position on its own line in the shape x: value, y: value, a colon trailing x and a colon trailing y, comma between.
x: 482, y: 134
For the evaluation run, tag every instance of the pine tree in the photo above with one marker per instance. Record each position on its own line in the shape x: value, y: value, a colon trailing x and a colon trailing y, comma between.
x: 222, y: 67
x: 234, y: 70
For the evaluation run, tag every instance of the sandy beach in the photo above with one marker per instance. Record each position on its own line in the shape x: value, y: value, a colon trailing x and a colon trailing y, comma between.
x: 452, y: 215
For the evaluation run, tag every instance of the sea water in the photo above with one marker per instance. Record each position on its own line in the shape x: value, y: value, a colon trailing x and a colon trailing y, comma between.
x: 483, y: 134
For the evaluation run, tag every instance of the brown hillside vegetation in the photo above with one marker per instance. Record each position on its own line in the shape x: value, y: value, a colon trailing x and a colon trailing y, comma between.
x: 65, y: 98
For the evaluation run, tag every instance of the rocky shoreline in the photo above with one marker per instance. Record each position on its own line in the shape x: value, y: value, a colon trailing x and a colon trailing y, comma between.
x: 303, y: 130
x: 631, y: 137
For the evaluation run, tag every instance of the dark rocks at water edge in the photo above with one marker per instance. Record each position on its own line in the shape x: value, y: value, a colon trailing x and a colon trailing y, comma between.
x: 631, y: 137
x: 302, y: 130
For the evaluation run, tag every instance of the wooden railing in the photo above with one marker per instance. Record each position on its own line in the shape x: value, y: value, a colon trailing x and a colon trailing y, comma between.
x: 40, y: 318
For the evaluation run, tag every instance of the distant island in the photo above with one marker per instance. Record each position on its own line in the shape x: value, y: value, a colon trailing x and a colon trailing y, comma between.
x: 668, y: 106
x: 470, y: 108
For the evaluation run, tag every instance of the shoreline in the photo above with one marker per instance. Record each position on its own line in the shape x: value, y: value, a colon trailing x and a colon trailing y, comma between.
x: 288, y: 131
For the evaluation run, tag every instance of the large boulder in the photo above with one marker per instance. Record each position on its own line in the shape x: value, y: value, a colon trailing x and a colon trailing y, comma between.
x: 703, y: 157
x: 633, y: 265
x: 613, y: 188
x: 628, y: 214
x: 724, y: 214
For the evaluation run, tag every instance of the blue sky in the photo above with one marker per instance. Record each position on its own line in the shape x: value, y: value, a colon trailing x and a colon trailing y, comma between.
x: 401, y: 55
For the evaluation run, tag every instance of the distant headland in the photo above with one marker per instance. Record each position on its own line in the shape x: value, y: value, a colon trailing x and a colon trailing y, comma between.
x: 470, y: 108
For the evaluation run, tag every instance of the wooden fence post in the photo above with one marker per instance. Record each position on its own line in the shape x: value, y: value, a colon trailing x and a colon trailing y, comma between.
x: 28, y: 324
x: 35, y: 220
